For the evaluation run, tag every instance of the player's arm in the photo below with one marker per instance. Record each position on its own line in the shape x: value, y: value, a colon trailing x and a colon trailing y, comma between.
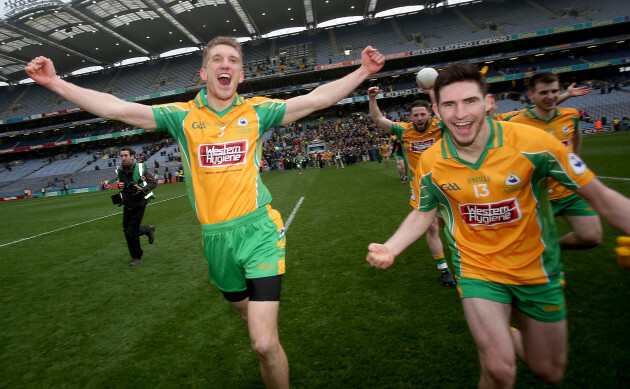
x: 42, y: 71
x: 577, y: 139
x: 326, y: 95
x: 412, y: 228
x: 375, y: 111
x: 573, y: 91
x: 611, y: 205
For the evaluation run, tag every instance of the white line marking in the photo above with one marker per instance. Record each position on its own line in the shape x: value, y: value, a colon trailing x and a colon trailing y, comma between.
x: 290, y: 219
x: 78, y: 224
x: 615, y: 178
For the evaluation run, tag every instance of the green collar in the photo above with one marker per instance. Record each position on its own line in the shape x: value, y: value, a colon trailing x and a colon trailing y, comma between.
x: 529, y: 113
x: 202, y: 101
x: 494, y: 140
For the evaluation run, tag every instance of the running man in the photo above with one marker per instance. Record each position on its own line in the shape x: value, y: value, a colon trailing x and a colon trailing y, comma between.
x: 219, y: 134
x: 416, y: 136
x: 564, y: 124
x: 488, y: 180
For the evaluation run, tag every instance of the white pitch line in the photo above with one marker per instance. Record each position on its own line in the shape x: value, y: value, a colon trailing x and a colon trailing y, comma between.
x: 78, y: 224
x: 615, y: 178
x: 290, y: 219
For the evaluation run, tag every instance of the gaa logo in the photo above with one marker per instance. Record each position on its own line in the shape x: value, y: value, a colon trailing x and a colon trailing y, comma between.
x: 490, y: 214
x: 223, y: 154
x: 420, y: 146
x: 450, y: 186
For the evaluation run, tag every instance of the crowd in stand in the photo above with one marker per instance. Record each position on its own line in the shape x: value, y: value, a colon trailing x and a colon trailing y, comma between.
x: 354, y: 139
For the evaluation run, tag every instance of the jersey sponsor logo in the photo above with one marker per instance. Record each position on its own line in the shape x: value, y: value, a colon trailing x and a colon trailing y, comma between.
x: 223, y: 154
x: 199, y: 125
x: 566, y: 142
x: 474, y: 180
x: 420, y: 146
x: 450, y: 186
x: 577, y: 165
x: 490, y: 214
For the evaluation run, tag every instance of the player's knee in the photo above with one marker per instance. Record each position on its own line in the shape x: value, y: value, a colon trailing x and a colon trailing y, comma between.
x: 591, y: 237
x: 551, y: 373
x: 502, y: 374
x: 265, y: 346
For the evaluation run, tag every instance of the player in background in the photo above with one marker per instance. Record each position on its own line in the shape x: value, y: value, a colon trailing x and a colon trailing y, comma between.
x: 487, y: 179
x: 572, y: 91
x: 398, y: 153
x: 416, y: 137
x: 385, y: 150
x: 564, y: 124
x: 220, y: 132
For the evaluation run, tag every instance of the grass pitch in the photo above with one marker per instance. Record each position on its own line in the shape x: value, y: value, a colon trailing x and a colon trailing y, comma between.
x: 74, y: 314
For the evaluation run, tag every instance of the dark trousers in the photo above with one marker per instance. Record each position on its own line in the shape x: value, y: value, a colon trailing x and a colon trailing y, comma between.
x: 132, y: 217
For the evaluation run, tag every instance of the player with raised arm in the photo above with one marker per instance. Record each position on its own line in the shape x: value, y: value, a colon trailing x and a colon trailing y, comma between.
x: 417, y: 136
x: 564, y: 124
x: 220, y: 136
x: 488, y: 179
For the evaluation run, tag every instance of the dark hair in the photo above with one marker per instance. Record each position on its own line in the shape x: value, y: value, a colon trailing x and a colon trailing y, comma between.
x: 544, y: 77
x: 127, y: 148
x: 419, y: 103
x: 221, y: 40
x: 458, y: 72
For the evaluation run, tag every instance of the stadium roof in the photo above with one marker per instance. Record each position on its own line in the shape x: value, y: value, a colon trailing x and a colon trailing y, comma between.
x: 80, y: 34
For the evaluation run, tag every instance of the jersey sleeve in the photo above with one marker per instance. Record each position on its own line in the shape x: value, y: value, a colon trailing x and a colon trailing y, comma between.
x: 566, y: 167
x: 398, y: 129
x: 428, y: 199
x: 169, y: 117
x: 270, y: 112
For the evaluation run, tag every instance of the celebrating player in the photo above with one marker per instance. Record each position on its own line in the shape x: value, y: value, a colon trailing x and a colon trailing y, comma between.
x: 564, y: 124
x: 488, y: 179
x: 219, y: 134
x: 416, y: 136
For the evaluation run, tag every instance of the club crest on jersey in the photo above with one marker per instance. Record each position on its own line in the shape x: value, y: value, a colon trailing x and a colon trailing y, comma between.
x: 242, y: 122
x: 420, y: 146
x: 577, y: 165
x: 512, y: 183
x: 490, y: 214
x: 223, y: 154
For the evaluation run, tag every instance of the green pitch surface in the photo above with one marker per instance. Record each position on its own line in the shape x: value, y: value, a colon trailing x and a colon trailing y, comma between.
x: 74, y: 314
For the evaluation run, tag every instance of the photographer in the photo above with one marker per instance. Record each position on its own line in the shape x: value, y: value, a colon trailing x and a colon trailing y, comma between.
x: 136, y: 185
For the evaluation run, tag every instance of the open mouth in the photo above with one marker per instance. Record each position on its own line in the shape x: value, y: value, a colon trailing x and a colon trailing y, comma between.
x: 224, y: 79
x: 463, y: 127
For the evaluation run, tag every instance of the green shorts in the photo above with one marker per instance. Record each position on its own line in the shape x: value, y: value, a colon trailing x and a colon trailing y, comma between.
x: 572, y: 205
x: 542, y: 302
x: 399, y: 157
x: 250, y: 246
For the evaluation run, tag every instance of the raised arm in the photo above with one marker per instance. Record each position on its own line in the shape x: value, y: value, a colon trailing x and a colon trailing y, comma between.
x: 412, y: 228
x: 375, y: 111
x: 573, y: 91
x: 612, y: 206
x: 326, y: 95
x: 42, y: 71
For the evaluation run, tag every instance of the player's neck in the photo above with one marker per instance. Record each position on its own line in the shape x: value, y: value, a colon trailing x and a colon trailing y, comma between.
x: 471, y: 152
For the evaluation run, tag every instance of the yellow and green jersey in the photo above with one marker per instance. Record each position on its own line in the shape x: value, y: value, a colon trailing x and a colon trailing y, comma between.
x: 563, y: 126
x: 499, y: 222
x: 415, y: 142
x: 384, y: 151
x: 221, y: 152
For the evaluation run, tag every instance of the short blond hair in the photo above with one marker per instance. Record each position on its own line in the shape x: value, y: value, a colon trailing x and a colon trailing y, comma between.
x: 221, y: 40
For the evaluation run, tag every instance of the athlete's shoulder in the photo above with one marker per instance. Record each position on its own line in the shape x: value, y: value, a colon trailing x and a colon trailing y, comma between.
x: 572, y: 112
x: 507, y: 116
x: 264, y: 102
x: 525, y: 137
